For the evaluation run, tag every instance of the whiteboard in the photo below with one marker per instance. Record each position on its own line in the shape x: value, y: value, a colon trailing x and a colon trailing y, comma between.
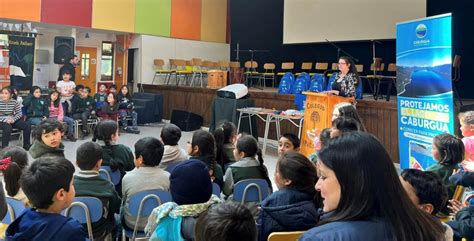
x: 310, y: 21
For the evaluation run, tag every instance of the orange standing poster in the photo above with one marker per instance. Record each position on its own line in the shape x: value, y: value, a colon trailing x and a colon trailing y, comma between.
x: 317, y: 116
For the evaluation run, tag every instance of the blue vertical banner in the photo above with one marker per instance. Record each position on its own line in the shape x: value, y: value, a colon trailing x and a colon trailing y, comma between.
x: 424, y: 88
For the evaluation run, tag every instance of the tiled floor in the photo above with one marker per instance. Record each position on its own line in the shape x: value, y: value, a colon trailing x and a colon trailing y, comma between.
x: 154, y: 130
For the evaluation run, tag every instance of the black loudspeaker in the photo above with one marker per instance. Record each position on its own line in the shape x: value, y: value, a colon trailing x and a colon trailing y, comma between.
x: 63, y: 49
x: 186, y: 121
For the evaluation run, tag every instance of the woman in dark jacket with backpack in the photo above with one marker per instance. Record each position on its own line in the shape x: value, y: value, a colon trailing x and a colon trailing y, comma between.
x: 294, y: 207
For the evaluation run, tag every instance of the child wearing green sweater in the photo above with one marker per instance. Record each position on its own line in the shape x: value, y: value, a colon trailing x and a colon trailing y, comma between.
x: 88, y: 183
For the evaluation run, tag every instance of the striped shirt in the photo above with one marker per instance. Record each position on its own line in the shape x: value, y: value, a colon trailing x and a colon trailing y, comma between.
x: 10, y: 109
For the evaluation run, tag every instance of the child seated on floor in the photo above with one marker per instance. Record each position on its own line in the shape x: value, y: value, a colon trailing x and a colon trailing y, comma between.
x: 224, y: 136
x: 427, y: 192
x: 82, y: 109
x: 89, y: 183
x: 36, y: 106
x: 13, y: 160
x: 288, y: 142
x: 170, y: 135
x: 247, y: 166
x: 191, y: 191
x: 48, y: 184
x: 145, y: 176
x: 227, y: 221
x: 48, y: 136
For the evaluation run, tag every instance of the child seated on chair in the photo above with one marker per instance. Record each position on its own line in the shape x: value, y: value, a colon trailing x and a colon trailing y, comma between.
x: 145, y: 176
x: 100, y: 97
x: 36, y: 106
x: 427, y: 192
x: 56, y: 112
x: 288, y: 142
x: 47, y: 135
x: 13, y: 160
x: 66, y: 87
x: 126, y: 108
x: 247, y: 166
x: 227, y: 221
x: 88, y: 183
x: 294, y: 207
x: 225, y: 135
x: 82, y: 109
x: 170, y: 135
x: 110, y: 110
x: 48, y: 184
x: 191, y: 190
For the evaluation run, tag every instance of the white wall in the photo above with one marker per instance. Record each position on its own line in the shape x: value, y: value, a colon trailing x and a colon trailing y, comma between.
x: 153, y: 47
x: 49, y: 72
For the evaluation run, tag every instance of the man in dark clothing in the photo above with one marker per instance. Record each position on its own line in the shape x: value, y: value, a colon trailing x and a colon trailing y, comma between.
x: 70, y: 66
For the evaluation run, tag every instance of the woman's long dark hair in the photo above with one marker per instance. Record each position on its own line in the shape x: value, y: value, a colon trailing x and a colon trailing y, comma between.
x: 57, y: 101
x: 350, y: 111
x: 223, y: 135
x: 249, y: 146
x: 207, y: 148
x: 12, y: 169
x: 370, y: 187
x: 352, y: 67
x: 103, y: 132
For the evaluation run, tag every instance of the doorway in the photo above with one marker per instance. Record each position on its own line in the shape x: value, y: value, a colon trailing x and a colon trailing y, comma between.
x: 86, y: 72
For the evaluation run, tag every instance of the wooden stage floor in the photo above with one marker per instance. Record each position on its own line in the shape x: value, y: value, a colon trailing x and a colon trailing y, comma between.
x: 378, y: 116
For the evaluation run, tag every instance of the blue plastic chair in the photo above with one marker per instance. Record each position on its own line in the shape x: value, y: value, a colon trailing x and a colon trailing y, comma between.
x: 251, y: 190
x: 86, y: 210
x: 115, y: 177
x: 14, y: 209
x: 140, y: 206
x: 216, y: 190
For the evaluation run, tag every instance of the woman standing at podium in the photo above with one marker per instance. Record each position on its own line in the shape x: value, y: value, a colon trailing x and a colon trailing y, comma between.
x: 346, y: 80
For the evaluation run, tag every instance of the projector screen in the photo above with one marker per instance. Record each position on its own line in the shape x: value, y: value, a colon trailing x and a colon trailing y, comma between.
x: 309, y: 21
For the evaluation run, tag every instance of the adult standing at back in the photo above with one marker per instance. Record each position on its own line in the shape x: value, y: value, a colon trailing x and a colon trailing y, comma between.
x: 69, y: 66
x: 346, y: 80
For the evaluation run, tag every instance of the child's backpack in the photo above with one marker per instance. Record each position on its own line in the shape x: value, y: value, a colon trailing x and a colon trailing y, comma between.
x: 286, y: 83
x: 317, y: 83
x: 302, y: 83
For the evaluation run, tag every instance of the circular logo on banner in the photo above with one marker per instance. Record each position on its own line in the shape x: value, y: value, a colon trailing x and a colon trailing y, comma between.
x: 421, y: 30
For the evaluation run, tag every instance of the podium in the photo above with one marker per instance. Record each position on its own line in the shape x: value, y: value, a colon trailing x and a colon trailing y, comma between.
x: 317, y: 116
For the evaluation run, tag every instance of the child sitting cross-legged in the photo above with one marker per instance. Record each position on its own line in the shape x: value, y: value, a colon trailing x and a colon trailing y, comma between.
x: 146, y: 175
x: 48, y: 184
x: 47, y: 135
x: 88, y: 183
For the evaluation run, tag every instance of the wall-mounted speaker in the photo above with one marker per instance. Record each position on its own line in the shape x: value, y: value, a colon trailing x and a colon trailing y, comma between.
x: 63, y: 49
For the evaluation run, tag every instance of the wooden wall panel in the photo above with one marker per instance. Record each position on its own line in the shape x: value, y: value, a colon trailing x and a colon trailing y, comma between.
x: 379, y: 117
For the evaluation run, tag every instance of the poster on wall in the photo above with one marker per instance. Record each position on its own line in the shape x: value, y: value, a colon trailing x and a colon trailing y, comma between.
x: 21, y: 53
x: 424, y: 88
x: 4, y: 61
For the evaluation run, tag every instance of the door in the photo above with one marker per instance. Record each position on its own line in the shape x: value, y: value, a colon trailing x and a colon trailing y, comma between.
x: 86, y: 71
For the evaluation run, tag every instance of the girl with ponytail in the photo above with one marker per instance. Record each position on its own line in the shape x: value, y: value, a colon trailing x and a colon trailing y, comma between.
x: 13, y: 160
x: 247, y: 166
x: 117, y: 156
x: 225, y: 137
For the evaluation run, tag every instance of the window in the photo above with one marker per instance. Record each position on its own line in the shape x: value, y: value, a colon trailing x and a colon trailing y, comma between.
x: 107, y: 61
x: 85, y: 66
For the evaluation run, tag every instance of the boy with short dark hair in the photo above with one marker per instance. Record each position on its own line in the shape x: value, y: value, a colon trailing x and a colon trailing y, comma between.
x: 100, y: 97
x: 288, y: 142
x: 47, y: 139
x: 227, y: 221
x: 82, y: 108
x: 170, y: 135
x: 146, y: 175
x: 427, y: 192
x: 88, y: 183
x: 48, y: 184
